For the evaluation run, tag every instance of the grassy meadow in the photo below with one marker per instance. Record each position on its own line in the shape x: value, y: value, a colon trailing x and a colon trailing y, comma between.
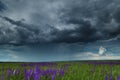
x: 77, y: 70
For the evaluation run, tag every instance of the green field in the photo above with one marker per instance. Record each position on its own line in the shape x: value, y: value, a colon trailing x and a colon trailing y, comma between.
x: 84, y: 70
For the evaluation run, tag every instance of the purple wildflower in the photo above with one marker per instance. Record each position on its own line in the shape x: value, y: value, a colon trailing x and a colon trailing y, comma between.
x: 111, y: 77
x: 53, y: 77
x: 61, y: 72
x: 28, y: 74
x: 118, y: 78
x: 106, y: 77
x: 2, y: 76
x: 37, y: 73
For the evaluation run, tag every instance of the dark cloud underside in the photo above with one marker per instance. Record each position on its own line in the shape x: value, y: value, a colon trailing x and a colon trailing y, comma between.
x: 2, y: 6
x: 70, y: 21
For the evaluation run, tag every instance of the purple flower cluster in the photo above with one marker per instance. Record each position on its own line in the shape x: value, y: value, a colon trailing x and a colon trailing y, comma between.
x: 36, y: 73
x: 118, y: 78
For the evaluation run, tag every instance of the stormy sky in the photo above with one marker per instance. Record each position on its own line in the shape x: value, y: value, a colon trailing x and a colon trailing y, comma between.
x: 74, y: 29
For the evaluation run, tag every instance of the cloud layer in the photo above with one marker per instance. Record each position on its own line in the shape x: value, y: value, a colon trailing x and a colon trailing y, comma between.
x: 69, y: 21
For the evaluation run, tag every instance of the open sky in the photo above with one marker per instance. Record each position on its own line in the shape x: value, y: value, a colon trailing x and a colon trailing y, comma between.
x: 59, y: 30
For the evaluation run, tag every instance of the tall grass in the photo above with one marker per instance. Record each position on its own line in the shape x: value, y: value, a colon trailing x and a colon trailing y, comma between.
x: 60, y: 71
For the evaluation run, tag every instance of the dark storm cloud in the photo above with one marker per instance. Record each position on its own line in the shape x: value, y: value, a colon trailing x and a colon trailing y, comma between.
x: 96, y: 20
x: 67, y: 21
x: 83, y: 33
x: 21, y: 24
x: 18, y: 32
x: 2, y: 6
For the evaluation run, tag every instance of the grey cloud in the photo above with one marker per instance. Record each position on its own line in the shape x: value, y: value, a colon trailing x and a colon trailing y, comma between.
x: 2, y: 6
x: 83, y: 33
x: 70, y: 21
x: 99, y: 13
x: 18, y: 32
